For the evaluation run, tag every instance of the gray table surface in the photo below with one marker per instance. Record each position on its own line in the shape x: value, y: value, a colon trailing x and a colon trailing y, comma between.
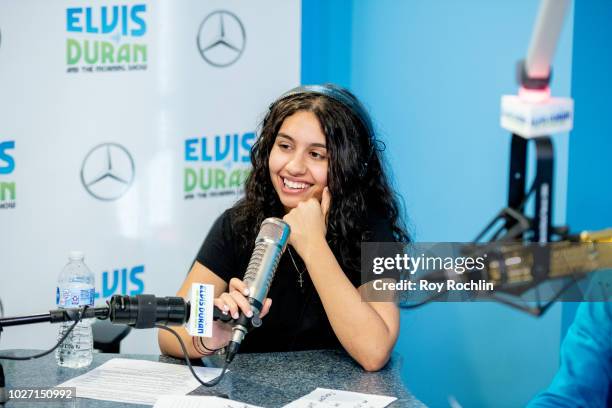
x: 264, y: 379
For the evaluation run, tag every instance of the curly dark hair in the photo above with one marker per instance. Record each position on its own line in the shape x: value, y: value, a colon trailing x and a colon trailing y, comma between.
x: 357, y: 179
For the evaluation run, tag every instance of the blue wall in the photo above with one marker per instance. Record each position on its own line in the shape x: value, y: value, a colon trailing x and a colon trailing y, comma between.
x: 432, y: 74
x: 589, y: 203
x: 326, y: 31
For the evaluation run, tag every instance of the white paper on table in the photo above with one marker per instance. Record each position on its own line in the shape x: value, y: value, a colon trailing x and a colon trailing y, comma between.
x: 325, y: 397
x: 138, y: 381
x: 195, y: 401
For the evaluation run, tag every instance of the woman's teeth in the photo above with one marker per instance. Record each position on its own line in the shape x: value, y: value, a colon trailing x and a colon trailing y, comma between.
x: 295, y: 185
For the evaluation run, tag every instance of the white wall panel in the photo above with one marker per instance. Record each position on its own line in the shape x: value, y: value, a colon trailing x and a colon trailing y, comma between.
x: 56, y: 117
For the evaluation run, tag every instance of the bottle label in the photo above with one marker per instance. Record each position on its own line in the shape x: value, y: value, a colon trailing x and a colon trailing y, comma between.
x: 68, y: 298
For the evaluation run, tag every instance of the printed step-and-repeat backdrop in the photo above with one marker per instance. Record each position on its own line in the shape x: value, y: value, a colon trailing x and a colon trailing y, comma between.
x: 125, y: 130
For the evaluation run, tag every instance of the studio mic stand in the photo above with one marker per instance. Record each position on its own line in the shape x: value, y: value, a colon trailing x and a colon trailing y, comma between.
x: 54, y: 316
x: 141, y: 312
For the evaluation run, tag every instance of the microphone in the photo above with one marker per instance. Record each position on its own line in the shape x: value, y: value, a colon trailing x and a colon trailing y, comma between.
x: 517, y: 269
x: 140, y: 311
x: 145, y: 311
x: 269, y: 246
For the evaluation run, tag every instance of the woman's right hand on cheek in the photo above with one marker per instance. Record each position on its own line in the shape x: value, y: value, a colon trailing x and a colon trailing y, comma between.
x: 236, y: 300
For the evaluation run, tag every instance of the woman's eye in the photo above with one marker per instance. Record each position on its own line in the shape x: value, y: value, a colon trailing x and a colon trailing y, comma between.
x: 284, y: 146
x: 317, y: 155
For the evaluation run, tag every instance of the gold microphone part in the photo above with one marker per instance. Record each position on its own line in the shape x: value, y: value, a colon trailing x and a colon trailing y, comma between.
x: 604, y: 235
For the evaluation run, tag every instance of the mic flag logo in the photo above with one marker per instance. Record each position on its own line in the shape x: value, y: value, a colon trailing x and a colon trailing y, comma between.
x: 201, y: 310
x: 8, y: 194
x: 106, y: 38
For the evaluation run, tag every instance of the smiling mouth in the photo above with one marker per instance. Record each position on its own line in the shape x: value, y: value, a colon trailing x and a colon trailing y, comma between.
x: 295, y: 185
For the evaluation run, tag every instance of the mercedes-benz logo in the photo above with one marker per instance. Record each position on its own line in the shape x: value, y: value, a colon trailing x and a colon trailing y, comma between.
x: 107, y: 171
x: 221, y: 38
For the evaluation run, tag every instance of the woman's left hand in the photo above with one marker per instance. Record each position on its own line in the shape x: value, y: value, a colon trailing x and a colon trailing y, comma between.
x: 308, y: 222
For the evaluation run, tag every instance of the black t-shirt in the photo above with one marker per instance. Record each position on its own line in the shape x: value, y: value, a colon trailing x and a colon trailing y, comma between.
x: 297, y: 320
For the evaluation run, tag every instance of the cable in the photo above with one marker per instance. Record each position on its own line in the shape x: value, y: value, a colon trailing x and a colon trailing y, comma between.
x: 211, y: 383
x: 201, y: 341
x: 80, y: 317
x: 60, y: 341
x: 82, y: 312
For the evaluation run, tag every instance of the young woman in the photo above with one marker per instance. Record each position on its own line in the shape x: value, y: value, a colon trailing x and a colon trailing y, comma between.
x: 317, y: 166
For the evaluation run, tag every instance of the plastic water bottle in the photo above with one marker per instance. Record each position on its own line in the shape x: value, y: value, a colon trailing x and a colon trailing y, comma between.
x: 75, y: 288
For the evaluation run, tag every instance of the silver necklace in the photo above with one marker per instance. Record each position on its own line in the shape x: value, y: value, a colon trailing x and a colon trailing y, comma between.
x: 300, y: 273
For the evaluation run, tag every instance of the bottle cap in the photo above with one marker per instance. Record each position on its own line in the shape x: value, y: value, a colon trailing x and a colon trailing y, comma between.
x: 76, y: 256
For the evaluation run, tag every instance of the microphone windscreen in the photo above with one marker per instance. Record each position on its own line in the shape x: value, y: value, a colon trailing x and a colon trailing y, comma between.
x: 269, y: 246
